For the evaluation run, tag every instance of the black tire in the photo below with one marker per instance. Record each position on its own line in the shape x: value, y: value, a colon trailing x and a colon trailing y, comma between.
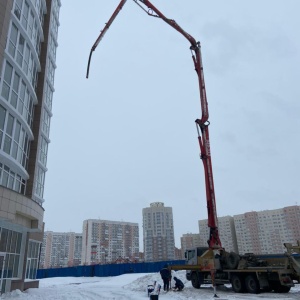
x: 195, y: 281
x: 238, y: 284
x: 232, y: 260
x: 252, y: 284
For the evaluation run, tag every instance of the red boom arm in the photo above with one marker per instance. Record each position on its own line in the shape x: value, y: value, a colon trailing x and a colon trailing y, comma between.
x: 103, y: 31
x: 214, y: 241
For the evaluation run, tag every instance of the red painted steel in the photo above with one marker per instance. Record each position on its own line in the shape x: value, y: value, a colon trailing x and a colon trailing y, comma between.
x: 202, y: 124
x: 103, y: 31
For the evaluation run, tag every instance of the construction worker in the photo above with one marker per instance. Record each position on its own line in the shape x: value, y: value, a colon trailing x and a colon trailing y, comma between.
x: 165, y: 274
x: 178, y: 284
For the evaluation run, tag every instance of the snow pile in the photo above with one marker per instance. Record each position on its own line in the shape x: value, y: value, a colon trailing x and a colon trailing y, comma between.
x: 131, y: 287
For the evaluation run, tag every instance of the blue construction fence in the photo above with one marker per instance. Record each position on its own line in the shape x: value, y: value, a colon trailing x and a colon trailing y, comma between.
x: 106, y: 270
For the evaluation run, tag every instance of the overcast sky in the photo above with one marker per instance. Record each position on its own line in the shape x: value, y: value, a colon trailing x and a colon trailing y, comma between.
x: 126, y: 137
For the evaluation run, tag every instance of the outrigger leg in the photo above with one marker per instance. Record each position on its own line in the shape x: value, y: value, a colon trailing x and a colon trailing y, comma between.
x: 212, y: 274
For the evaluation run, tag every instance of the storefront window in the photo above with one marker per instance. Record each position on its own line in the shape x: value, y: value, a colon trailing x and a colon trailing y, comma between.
x: 32, y: 259
x: 10, y: 244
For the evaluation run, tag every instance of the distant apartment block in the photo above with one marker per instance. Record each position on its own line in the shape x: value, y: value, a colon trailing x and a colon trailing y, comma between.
x: 158, y: 232
x: 109, y: 241
x: 226, y: 232
x: 178, y: 254
x: 266, y: 231
x: 189, y: 241
x: 262, y: 232
x: 61, y: 249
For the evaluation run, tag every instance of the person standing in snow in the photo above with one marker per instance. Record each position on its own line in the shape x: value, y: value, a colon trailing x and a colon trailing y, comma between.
x: 178, y: 284
x: 165, y: 274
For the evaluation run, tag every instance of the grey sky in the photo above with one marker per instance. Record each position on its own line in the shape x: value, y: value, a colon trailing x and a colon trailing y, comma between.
x: 126, y: 136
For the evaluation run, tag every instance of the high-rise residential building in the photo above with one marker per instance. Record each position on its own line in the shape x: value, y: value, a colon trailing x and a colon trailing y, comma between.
x: 28, y: 41
x: 266, y: 231
x: 76, y: 250
x: 109, y: 241
x: 258, y: 232
x: 226, y: 232
x: 158, y: 231
x: 60, y: 249
x: 189, y: 241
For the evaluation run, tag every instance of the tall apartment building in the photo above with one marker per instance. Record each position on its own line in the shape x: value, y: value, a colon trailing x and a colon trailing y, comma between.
x: 189, y: 241
x: 60, y: 249
x: 266, y: 231
x: 226, y: 232
x: 28, y: 41
x: 109, y: 241
x: 158, y: 231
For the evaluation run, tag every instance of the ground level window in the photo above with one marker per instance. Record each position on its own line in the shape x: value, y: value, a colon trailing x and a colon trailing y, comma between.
x: 32, y: 259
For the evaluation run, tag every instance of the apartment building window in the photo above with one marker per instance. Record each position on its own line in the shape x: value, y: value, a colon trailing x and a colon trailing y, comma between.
x: 54, y: 25
x: 26, y: 59
x: 7, y: 81
x: 21, y: 97
x: 43, y: 151
x: 56, y: 8
x: 46, y: 122
x: 52, y: 46
x: 20, y: 52
x: 48, y: 96
x: 40, y: 10
x: 36, y: 38
x: 39, y: 189
x: 8, y: 135
x: 30, y: 24
x: 32, y: 71
x: 2, y: 122
x: 13, y: 40
x: 18, y: 8
x: 51, y: 71
x: 9, y: 179
x: 15, y: 90
x: 25, y: 13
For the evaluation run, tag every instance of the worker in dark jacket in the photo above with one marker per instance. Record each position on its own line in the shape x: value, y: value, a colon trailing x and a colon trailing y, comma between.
x: 178, y: 284
x: 165, y: 274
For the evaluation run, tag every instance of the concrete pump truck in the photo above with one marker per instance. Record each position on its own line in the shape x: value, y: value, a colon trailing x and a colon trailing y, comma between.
x: 212, y: 264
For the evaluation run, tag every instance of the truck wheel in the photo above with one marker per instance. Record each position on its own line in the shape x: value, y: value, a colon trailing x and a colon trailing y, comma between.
x: 232, y: 260
x: 238, y: 284
x: 252, y: 284
x: 195, y: 281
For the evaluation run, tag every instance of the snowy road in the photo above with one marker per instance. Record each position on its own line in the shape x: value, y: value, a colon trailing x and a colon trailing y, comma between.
x: 129, y: 287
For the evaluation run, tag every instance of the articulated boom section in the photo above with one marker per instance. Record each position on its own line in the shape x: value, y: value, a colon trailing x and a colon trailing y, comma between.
x: 202, y: 124
x: 103, y: 31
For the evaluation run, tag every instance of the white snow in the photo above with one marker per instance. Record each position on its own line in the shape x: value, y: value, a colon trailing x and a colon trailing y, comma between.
x: 130, y: 286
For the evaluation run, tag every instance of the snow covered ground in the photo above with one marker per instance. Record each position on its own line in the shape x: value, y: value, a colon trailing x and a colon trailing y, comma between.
x: 129, y: 286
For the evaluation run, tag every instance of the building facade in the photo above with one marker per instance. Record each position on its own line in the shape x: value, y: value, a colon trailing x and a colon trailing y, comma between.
x: 158, y: 233
x: 226, y: 232
x: 265, y: 232
x: 60, y: 249
x: 262, y: 232
x: 109, y: 242
x: 28, y: 41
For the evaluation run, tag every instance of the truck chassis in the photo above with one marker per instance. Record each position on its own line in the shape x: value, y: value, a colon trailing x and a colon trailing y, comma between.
x: 248, y: 273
